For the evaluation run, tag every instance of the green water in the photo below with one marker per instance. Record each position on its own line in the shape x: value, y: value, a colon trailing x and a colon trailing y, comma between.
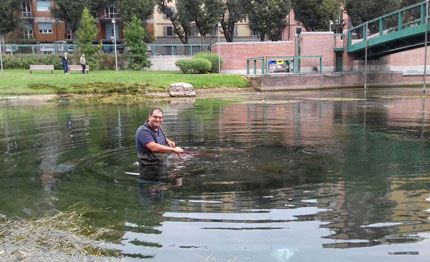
x: 333, y: 175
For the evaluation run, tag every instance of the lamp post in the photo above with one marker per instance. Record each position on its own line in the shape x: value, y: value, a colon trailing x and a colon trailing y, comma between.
x: 1, y: 52
x: 219, y: 51
x: 114, y: 43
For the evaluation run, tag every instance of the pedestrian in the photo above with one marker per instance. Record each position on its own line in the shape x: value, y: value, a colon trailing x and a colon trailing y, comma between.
x: 83, y: 63
x: 65, y: 62
x: 151, y: 143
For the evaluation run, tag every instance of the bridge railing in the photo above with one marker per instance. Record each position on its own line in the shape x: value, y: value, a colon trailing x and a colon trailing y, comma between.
x: 410, y: 16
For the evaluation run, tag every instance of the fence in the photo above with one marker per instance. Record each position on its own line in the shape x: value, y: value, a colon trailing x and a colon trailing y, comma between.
x: 286, y: 64
x: 153, y: 49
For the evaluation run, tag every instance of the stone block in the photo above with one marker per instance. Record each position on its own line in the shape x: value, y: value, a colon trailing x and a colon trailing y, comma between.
x: 181, y: 90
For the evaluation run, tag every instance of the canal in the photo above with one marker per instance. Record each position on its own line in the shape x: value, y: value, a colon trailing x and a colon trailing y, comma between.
x: 339, y: 175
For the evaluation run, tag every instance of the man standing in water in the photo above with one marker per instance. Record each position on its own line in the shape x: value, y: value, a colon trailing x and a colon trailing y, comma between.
x: 152, y: 145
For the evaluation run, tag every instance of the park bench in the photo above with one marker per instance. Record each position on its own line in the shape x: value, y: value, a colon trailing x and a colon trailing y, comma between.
x: 78, y: 68
x: 41, y: 68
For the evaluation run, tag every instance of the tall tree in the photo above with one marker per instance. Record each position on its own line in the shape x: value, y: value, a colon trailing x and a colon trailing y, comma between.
x: 178, y: 16
x: 87, y: 33
x: 142, y: 9
x: 315, y: 14
x: 9, y: 21
x: 135, y: 40
x: 232, y: 11
x: 205, y: 15
x: 70, y: 11
x: 361, y: 11
x: 267, y: 17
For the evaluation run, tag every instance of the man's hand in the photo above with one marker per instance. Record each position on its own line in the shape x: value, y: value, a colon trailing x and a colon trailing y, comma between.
x: 178, y: 150
x: 171, y: 143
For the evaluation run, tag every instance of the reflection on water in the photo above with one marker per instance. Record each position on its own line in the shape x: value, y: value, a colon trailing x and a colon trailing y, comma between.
x: 344, y: 175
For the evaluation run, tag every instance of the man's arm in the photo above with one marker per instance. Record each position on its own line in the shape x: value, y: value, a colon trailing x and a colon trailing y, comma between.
x: 157, y: 148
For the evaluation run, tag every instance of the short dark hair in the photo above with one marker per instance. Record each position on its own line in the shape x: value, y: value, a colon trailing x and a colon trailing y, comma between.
x: 154, y: 109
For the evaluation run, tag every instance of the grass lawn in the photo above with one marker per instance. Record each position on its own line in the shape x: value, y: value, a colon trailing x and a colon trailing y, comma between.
x: 21, y: 82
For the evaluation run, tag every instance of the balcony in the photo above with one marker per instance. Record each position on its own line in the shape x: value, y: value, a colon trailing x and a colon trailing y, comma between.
x: 27, y: 15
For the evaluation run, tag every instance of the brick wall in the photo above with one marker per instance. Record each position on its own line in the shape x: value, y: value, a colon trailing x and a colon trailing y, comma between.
x: 317, y: 44
x: 236, y: 53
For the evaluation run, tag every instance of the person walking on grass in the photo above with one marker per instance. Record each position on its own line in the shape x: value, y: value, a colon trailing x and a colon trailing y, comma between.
x: 83, y: 62
x: 65, y: 62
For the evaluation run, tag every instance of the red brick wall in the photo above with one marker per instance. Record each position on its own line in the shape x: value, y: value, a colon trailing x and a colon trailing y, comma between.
x: 235, y: 54
x: 317, y: 44
x: 413, y: 57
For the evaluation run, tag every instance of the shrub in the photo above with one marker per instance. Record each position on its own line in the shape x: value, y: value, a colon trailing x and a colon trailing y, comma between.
x: 213, y: 58
x: 194, y: 66
x: 23, y: 61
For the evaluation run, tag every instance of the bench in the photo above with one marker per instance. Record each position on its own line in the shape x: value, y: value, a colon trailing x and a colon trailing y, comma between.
x: 41, y: 68
x: 78, y: 68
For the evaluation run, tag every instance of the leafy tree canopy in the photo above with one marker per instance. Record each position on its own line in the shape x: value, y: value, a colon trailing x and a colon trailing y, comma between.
x: 361, y: 11
x: 315, y: 14
x: 267, y: 17
x: 87, y: 33
x: 135, y: 39
x: 9, y: 21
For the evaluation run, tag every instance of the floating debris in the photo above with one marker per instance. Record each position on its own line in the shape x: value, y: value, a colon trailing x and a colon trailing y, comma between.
x: 66, y: 236
x: 334, y: 99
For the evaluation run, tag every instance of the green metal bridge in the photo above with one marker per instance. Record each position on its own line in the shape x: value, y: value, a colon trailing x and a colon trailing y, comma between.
x: 397, y: 31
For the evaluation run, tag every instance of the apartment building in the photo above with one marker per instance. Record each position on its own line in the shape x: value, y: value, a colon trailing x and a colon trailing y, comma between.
x: 40, y: 27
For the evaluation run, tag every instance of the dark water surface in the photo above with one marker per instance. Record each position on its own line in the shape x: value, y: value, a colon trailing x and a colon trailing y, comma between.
x: 311, y: 176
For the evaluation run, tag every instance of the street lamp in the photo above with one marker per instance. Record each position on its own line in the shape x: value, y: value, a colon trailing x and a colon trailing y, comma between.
x: 219, y: 51
x: 114, y: 43
x: 1, y: 52
x: 329, y: 25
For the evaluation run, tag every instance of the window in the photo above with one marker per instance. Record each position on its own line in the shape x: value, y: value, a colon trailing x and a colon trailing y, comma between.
x: 28, y: 31
x: 26, y: 9
x: 168, y: 31
x: 236, y: 31
x: 111, y: 11
x: 43, y: 5
x: 69, y: 34
x: 45, y: 28
x: 171, y: 10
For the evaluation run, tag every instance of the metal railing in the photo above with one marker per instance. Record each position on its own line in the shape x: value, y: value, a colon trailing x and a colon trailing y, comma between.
x: 282, y: 64
x: 153, y: 49
x: 402, y: 19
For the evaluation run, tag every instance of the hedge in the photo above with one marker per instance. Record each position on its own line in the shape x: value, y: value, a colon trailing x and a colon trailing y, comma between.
x: 213, y: 58
x: 23, y: 61
x: 194, y: 66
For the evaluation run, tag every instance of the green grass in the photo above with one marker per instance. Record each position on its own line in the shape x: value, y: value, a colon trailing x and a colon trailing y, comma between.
x: 21, y: 82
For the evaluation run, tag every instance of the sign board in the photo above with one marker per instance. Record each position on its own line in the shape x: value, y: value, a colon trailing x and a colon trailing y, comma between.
x: 47, y: 48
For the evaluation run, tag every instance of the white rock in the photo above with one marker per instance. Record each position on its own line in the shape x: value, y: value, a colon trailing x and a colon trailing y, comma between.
x: 181, y: 90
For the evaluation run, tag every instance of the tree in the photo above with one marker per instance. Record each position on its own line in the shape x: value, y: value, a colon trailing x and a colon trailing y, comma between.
x: 9, y: 21
x: 361, y: 11
x: 232, y: 12
x: 315, y: 14
x: 70, y: 11
x: 267, y: 17
x: 87, y: 33
x: 179, y: 18
x: 142, y: 9
x: 135, y: 39
x: 205, y: 15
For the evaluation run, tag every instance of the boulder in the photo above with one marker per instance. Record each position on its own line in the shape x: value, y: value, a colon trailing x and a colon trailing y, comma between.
x: 181, y: 90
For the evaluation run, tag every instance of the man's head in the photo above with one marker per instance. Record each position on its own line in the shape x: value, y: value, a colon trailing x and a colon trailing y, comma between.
x: 65, y: 54
x: 155, y: 118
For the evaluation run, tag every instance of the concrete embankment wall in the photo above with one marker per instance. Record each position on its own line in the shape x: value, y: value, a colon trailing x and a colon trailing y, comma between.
x: 165, y: 63
x: 334, y: 80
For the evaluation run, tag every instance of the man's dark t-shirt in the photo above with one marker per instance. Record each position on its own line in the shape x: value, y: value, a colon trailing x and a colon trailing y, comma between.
x: 144, y: 135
